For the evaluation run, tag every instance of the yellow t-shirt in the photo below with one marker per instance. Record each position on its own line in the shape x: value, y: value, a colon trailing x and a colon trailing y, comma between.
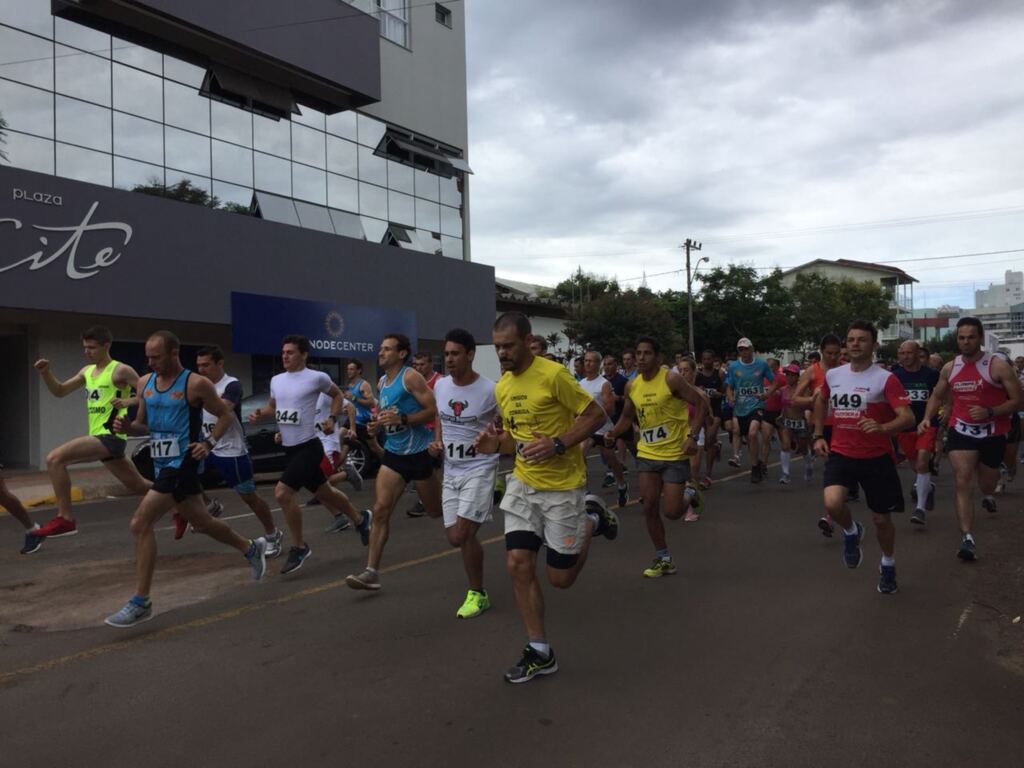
x: 663, y: 418
x: 544, y: 398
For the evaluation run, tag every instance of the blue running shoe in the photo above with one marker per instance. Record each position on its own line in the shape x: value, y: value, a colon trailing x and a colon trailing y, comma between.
x: 33, y: 541
x: 364, y: 527
x: 296, y: 557
x: 887, y: 580
x: 852, y: 554
x: 133, y: 613
x: 967, y: 550
x: 257, y: 557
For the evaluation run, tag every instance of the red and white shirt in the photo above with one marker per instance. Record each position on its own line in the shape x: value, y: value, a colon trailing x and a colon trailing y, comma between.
x: 971, y: 384
x: 853, y: 396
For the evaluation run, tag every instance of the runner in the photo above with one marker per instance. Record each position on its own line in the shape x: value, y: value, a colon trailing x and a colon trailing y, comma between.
x: 657, y: 398
x: 793, y: 432
x: 108, y: 386
x: 406, y: 407
x: 230, y: 455
x: 688, y: 370
x: 465, y: 407
x: 292, y: 403
x: 868, y: 406
x: 626, y: 443
x: 745, y: 390
x: 170, y: 410
x: 538, y: 346
x: 1008, y: 470
x: 710, y: 381
x: 600, y: 389
x: 984, y: 391
x: 629, y: 369
x: 919, y: 381
x: 14, y: 507
x: 772, y: 406
x: 547, y: 416
x: 334, y: 439
x: 424, y: 365
x: 359, y: 392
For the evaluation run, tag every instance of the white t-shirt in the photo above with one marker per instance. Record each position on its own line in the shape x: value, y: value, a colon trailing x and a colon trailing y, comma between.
x: 595, y: 387
x: 465, y: 412
x: 232, y: 442
x: 323, y: 411
x: 295, y: 395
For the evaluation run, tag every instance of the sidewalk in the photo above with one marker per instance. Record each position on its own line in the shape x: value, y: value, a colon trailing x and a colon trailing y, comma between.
x: 34, y: 489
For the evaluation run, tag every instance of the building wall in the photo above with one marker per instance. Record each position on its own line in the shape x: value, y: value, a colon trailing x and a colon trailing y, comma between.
x: 1009, y: 292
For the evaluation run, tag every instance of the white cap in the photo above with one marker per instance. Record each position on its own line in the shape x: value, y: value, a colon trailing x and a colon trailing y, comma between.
x: 744, y: 342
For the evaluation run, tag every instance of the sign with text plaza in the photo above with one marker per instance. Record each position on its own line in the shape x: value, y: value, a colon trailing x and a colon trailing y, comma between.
x: 258, y: 323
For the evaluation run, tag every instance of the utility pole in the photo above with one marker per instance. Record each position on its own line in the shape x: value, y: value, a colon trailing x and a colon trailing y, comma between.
x: 691, y: 245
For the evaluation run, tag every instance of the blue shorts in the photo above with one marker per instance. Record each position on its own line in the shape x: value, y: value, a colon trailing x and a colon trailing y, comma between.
x: 236, y: 471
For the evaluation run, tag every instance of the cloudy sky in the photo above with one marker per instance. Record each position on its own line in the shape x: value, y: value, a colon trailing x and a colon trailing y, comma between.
x: 603, y: 133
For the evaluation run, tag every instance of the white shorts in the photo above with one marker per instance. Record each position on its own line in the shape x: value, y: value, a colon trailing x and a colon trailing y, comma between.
x: 470, y: 496
x: 558, y: 518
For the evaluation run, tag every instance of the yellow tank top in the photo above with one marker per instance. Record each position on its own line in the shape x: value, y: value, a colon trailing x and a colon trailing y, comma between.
x: 664, y: 419
x: 99, y: 391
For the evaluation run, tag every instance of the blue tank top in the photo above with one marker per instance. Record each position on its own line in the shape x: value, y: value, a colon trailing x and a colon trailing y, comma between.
x: 400, y: 439
x: 363, y: 412
x: 173, y: 423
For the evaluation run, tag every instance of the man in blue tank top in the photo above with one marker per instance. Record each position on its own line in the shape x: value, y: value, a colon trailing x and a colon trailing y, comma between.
x: 359, y: 392
x: 407, y: 405
x: 171, y: 403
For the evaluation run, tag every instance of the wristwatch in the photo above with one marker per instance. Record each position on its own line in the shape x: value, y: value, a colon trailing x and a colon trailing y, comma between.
x: 559, y: 445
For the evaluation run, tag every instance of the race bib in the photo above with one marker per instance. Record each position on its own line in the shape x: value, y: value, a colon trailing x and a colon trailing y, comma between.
x: 797, y: 425
x: 208, y: 428
x: 975, y: 430
x: 654, y: 434
x: 285, y: 416
x: 162, y: 446
x: 918, y: 395
x: 711, y: 392
x: 460, y: 451
x: 750, y: 391
x: 395, y: 429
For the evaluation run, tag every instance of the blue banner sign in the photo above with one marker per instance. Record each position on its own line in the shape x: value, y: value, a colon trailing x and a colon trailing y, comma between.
x: 258, y: 323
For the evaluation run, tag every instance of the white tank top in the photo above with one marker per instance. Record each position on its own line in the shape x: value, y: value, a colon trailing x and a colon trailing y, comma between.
x: 465, y: 412
x: 232, y: 442
x: 594, y: 388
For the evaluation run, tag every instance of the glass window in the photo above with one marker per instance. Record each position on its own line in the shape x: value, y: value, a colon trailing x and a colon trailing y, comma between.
x: 185, y: 108
x: 394, y: 21
x: 450, y: 194
x: 273, y: 136
x: 28, y: 152
x: 371, y: 131
x: 400, y: 177
x: 374, y: 228
x: 83, y: 165
x: 232, y: 197
x: 401, y: 208
x: 232, y: 163
x: 342, y: 193
x: 26, y: 58
x: 373, y: 201
x: 347, y: 224
x: 137, y: 56
x: 87, y: 39
x: 186, y: 151
x: 138, y: 138
x: 426, y: 186
x: 231, y: 123
x: 314, y: 118
x: 33, y: 17
x: 308, y: 146
x: 309, y: 184
x: 428, y: 215
x: 183, y: 72
x: 83, y: 124
x: 451, y: 247
x: 129, y: 174
x: 82, y: 75
x: 138, y: 93
x: 274, y: 208
x: 342, y: 124
x: 272, y: 174
x: 188, y: 187
x: 451, y: 221
x: 341, y: 157
x: 27, y: 109
x: 314, y: 217
x: 372, y: 168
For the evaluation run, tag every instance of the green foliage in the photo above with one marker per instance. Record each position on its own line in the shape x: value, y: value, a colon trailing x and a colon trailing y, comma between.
x: 828, y: 306
x: 186, y: 192
x: 613, y: 322
x: 584, y: 287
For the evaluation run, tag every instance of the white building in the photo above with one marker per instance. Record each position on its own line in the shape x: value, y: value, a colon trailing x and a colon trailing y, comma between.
x: 1003, y: 295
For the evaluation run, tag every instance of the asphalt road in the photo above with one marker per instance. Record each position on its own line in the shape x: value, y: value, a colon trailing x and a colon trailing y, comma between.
x: 764, y: 650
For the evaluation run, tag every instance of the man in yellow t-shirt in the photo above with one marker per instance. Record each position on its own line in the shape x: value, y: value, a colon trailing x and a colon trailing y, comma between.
x: 546, y: 417
x: 659, y: 400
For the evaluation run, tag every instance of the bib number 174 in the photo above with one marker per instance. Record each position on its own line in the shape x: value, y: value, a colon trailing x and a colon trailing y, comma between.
x: 654, y: 434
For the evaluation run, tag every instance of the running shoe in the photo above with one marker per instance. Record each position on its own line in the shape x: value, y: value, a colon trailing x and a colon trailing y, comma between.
x: 474, y: 604
x: 784, y: 478
x: 609, y: 480
x: 691, y: 516
x: 826, y: 527
x: 989, y: 505
x: 365, y: 526
x: 852, y: 554
x: 734, y: 461
x: 58, y: 527
x: 130, y: 615
x: 918, y: 518
x: 705, y: 484
x: 887, y: 580
x: 257, y: 557
x: 180, y: 526
x: 353, y: 476
x: 274, y: 541
x: 366, y: 580
x: 696, y: 498
x: 662, y: 566
x: 967, y: 551
x: 929, y: 503
x: 623, y: 496
x: 608, y: 521
x: 416, y: 510
x: 296, y: 557
x: 339, y: 524
x: 531, y: 665
x: 33, y: 541
x: 215, y: 508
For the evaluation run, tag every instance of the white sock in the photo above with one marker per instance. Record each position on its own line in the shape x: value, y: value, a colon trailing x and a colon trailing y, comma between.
x: 852, y: 530
x: 887, y: 560
x: 784, y: 458
x: 923, y: 484
x: 541, y: 647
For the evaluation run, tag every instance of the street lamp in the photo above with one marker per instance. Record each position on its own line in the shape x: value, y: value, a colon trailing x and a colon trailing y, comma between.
x: 691, y: 245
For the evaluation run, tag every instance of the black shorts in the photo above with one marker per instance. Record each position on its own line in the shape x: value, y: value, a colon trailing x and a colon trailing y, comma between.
x: 1013, y: 436
x: 181, y: 482
x: 115, y: 446
x: 411, y: 466
x: 745, y: 421
x: 772, y: 417
x: 990, y: 449
x: 303, y: 470
x: 716, y: 407
x: 877, y: 476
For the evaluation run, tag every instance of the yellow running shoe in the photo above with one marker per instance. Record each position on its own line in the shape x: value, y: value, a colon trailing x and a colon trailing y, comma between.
x: 660, y: 567
x: 475, y: 604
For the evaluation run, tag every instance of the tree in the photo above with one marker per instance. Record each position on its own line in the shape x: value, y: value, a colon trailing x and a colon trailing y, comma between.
x: 615, y: 321
x: 828, y: 306
x: 187, y: 192
x: 583, y: 287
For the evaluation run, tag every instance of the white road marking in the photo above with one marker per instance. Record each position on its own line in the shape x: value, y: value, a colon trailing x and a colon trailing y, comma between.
x: 963, y: 618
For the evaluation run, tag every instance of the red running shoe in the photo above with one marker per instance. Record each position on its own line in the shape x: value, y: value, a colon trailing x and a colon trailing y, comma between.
x: 58, y: 527
x: 180, y: 526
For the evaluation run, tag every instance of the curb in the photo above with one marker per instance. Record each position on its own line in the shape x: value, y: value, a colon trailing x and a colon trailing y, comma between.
x: 41, y: 501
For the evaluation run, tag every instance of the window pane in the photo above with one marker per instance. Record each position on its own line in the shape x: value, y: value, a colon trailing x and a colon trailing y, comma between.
x: 33, y: 17
x: 273, y: 136
x: 84, y: 124
x: 450, y: 194
x: 82, y: 37
x: 309, y: 184
x: 273, y: 174
x: 342, y: 193
x: 401, y: 208
x: 185, y: 108
x: 372, y: 168
x: 82, y: 75
x: 28, y: 152
x: 188, y: 187
x: 308, y: 146
x: 314, y: 216
x: 347, y: 224
x: 27, y: 109
x: 232, y: 197
x: 341, y: 157
x: 451, y: 247
x: 371, y: 131
x: 83, y: 164
x: 314, y: 118
x: 374, y: 228
x: 129, y: 174
x: 138, y: 93
x: 373, y: 201
x: 139, y: 139
x: 232, y: 163
x: 186, y: 151
x: 231, y: 123
x: 25, y: 58
x: 400, y: 177
x: 426, y: 186
x: 342, y: 124
x: 183, y: 72
x: 428, y: 215
x: 273, y: 208
x: 451, y: 221
x: 138, y: 56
